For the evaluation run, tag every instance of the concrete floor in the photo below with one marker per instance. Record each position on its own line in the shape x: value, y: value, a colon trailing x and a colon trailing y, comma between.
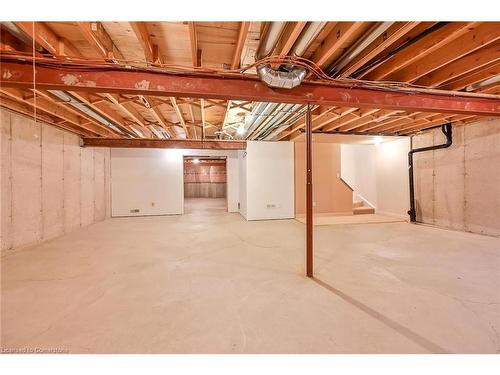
x: 331, y: 219
x: 210, y: 282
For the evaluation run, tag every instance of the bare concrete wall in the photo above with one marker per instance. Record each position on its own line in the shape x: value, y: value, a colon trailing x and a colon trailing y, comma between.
x: 459, y: 187
x: 50, y: 185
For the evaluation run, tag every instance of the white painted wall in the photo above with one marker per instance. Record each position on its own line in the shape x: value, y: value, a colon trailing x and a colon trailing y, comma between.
x: 392, y: 177
x: 358, y: 169
x: 270, y: 180
x: 151, y: 180
x: 242, y: 160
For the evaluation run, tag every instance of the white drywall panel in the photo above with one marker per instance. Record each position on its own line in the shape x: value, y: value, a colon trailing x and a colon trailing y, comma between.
x: 242, y: 161
x: 392, y: 178
x: 270, y: 180
x: 147, y: 180
x: 358, y: 169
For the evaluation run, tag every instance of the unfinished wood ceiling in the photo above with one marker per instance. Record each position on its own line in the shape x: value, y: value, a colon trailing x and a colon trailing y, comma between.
x: 455, y: 56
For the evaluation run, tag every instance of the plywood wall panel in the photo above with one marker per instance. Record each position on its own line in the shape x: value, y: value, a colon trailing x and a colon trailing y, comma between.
x: 26, y: 181
x: 6, y: 188
x: 482, y: 183
x: 330, y: 194
x: 52, y: 182
x: 72, y: 217
x: 87, y: 186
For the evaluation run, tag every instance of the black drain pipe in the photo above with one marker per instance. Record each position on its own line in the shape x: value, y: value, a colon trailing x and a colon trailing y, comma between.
x: 447, y: 131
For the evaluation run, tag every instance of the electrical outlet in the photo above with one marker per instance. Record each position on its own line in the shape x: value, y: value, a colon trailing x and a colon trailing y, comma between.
x: 152, y: 204
x: 314, y: 204
x: 134, y: 211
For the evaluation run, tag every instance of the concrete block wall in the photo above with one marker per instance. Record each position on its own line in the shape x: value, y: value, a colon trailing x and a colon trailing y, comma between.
x: 49, y: 184
x: 459, y: 187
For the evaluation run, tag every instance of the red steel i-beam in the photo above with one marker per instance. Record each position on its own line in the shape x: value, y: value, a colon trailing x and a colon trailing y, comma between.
x: 309, y: 196
x: 15, y: 73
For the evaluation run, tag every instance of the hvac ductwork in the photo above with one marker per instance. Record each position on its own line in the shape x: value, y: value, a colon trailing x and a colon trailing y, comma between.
x: 289, y: 76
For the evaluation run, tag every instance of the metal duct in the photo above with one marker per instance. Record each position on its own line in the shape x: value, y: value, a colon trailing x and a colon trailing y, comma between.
x: 280, y: 79
x: 83, y: 108
x: 291, y: 76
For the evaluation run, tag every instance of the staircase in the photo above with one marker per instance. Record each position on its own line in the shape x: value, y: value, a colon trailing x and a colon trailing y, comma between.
x: 360, y: 208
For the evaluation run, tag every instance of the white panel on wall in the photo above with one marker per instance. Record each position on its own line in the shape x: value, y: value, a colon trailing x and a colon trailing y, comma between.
x: 392, y: 178
x: 26, y: 181
x: 72, y: 183
x: 146, y: 182
x: 52, y: 182
x: 358, y: 169
x: 242, y: 161
x: 6, y: 198
x: 270, y: 180
x: 150, y: 181
x: 233, y: 177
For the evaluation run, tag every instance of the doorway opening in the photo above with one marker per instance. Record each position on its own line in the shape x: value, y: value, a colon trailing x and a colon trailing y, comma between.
x: 205, y: 184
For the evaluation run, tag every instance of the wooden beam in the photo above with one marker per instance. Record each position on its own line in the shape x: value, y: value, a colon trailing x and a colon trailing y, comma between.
x: 336, y: 41
x: 99, y: 39
x: 77, y: 112
x: 141, y: 31
x: 242, y: 35
x: 27, y: 110
x: 165, y: 143
x: 476, y: 77
x: 194, y: 44
x: 478, y: 37
x: 19, y: 74
x: 57, y: 110
x: 203, y: 121
x: 391, y: 36
x: 462, y: 67
x: 177, y: 110
x: 290, y: 34
x: 155, y: 111
x: 127, y: 109
x: 419, y: 49
x: 49, y: 40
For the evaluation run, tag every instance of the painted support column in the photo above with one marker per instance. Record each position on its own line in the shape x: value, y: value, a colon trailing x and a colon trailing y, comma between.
x: 309, y: 196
